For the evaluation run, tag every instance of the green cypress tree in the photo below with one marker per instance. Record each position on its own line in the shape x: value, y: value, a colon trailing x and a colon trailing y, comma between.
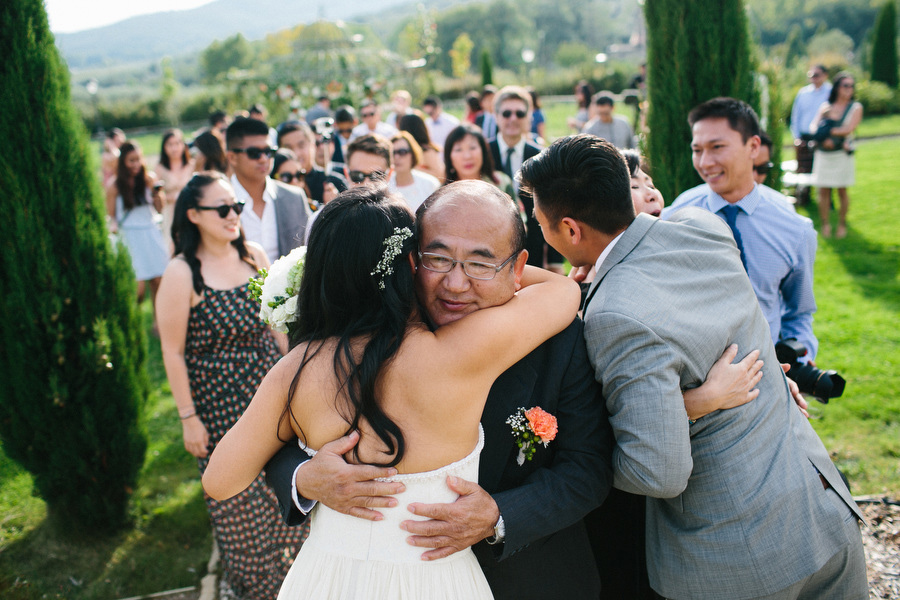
x: 487, y: 68
x: 884, y: 47
x: 695, y: 51
x: 72, y: 351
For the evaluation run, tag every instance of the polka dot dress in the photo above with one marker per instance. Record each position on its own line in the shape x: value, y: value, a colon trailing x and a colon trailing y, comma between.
x: 228, y: 352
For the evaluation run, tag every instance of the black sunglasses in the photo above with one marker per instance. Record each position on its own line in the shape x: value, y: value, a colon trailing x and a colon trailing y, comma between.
x: 224, y: 209
x: 764, y: 168
x: 508, y: 113
x: 402, y: 151
x: 360, y: 176
x: 254, y: 153
x: 367, y: 115
x: 287, y: 177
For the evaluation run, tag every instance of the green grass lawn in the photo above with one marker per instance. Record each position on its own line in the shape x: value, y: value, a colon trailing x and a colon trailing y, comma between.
x: 858, y: 295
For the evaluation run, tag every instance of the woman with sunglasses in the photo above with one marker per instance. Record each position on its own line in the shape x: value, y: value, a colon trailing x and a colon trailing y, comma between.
x: 414, y: 185
x: 834, y: 165
x: 467, y: 156
x: 286, y: 168
x: 216, y: 352
x: 133, y: 202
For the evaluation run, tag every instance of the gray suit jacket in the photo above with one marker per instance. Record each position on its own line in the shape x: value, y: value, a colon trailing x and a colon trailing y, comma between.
x: 292, y: 214
x: 736, y: 508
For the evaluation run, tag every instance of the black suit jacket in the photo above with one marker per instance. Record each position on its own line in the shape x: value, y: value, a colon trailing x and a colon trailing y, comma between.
x: 534, y: 242
x: 546, y: 552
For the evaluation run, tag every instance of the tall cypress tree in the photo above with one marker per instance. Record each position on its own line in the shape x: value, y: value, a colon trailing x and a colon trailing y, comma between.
x: 695, y: 51
x: 884, y: 47
x: 72, y: 351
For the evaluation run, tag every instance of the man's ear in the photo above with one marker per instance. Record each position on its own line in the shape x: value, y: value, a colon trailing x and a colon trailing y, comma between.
x: 519, y: 268
x: 572, y: 230
x: 754, y: 143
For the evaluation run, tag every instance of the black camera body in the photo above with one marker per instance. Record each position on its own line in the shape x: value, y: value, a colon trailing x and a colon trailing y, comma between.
x: 813, y: 381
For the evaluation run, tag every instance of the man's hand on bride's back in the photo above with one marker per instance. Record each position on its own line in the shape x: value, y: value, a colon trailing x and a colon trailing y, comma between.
x: 456, y: 525
x: 346, y: 488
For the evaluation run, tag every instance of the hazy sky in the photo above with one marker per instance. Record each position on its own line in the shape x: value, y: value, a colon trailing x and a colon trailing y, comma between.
x: 67, y: 16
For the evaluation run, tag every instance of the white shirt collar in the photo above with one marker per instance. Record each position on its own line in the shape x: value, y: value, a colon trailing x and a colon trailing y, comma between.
x: 606, y: 252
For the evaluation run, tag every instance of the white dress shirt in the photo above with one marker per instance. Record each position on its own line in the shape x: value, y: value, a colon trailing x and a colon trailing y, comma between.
x: 263, y: 231
x: 440, y: 128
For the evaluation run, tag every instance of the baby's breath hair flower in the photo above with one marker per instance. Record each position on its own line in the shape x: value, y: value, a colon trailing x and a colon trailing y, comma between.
x: 393, y: 246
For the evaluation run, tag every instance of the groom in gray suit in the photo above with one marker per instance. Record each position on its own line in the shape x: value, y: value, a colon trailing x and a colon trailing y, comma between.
x: 742, y: 503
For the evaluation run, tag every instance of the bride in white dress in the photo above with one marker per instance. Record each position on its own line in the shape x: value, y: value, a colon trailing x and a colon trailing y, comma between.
x: 363, y: 359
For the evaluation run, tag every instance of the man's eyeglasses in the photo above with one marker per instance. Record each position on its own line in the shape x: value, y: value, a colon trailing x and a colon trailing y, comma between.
x: 360, y: 176
x: 224, y: 209
x: 473, y: 268
x: 508, y: 113
x: 402, y: 151
x: 288, y: 177
x: 366, y: 115
x: 254, y: 153
x: 764, y: 168
x: 344, y: 130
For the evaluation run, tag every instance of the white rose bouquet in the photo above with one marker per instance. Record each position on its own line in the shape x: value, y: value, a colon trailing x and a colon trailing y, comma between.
x: 276, y: 289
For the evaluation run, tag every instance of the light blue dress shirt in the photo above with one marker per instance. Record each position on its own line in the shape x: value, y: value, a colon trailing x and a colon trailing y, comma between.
x: 780, y: 248
x: 806, y: 105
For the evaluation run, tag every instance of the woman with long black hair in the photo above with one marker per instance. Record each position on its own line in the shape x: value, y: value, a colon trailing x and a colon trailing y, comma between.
x: 216, y: 352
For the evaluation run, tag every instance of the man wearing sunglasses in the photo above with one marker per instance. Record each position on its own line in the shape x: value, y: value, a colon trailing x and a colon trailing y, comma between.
x: 778, y: 246
x: 370, y: 113
x: 277, y: 213
x: 509, y: 150
x: 369, y: 160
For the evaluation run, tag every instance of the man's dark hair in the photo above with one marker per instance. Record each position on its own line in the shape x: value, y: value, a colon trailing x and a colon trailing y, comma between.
x: 292, y: 126
x: 604, y: 98
x: 741, y: 116
x: 258, y: 109
x: 216, y: 117
x: 582, y: 177
x: 765, y: 140
x: 243, y: 127
x: 487, y: 90
x: 371, y: 144
x: 478, y: 189
x: 432, y: 101
x: 344, y: 114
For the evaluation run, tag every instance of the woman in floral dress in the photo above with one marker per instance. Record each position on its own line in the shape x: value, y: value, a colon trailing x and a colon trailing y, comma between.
x: 216, y: 352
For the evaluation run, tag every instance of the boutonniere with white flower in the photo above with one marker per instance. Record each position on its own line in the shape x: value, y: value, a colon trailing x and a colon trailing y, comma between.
x: 276, y: 289
x: 531, y: 427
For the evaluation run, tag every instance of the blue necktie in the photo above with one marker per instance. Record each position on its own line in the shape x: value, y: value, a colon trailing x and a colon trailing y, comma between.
x: 731, y: 212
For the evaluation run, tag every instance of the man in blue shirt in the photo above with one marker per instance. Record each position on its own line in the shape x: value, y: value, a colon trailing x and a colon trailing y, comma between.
x: 806, y: 105
x: 778, y: 246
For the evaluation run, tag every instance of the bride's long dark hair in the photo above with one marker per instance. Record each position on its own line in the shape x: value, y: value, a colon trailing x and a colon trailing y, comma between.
x: 341, y: 299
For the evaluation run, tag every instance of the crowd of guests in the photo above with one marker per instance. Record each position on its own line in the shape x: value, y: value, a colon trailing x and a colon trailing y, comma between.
x: 243, y: 194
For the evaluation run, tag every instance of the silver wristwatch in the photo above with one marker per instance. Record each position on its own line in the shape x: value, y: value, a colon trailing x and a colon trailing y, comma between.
x: 499, y: 532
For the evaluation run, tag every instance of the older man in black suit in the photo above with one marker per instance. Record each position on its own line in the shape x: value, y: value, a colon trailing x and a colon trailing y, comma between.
x: 523, y: 521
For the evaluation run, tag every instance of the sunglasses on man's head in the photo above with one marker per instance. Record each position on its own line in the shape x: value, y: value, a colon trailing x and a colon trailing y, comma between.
x: 764, y: 168
x: 254, y: 153
x: 224, y: 209
x: 288, y: 177
x: 508, y: 113
x: 360, y: 176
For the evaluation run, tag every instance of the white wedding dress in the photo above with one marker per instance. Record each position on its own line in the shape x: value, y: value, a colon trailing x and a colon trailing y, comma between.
x: 347, y: 558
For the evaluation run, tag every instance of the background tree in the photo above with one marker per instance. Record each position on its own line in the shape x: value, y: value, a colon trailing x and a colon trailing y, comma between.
x: 487, y: 68
x: 220, y: 57
x: 72, y: 350
x: 461, y: 55
x: 884, y: 48
x: 695, y: 51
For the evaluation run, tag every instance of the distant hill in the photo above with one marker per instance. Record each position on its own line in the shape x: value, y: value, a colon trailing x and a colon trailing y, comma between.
x: 174, y: 33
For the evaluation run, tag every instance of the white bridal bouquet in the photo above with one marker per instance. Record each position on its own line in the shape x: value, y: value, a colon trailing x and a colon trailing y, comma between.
x: 276, y: 289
